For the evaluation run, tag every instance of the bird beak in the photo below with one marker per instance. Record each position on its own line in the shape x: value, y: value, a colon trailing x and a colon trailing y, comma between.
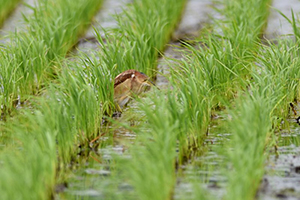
x: 151, y: 83
x: 146, y: 85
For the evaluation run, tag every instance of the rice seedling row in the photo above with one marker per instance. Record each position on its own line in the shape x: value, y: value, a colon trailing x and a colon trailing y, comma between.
x: 238, y: 187
x: 186, y: 119
x: 70, y: 109
x: 274, y: 89
x: 230, y: 56
x: 261, y: 103
x: 268, y: 90
x: 29, y: 158
x: 52, y: 30
x: 75, y: 110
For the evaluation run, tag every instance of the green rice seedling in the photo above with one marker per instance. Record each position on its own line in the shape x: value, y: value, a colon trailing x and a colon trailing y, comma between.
x: 28, y: 165
x: 151, y: 166
x: 191, y: 105
x: 216, y: 67
x: 281, y: 61
x: 66, y: 115
x: 171, y: 122
x: 30, y: 59
x: 225, y: 60
x: 7, y: 6
x: 79, y: 101
x: 245, y: 21
x: 100, y: 77
x: 254, y: 119
x: 251, y: 126
x: 23, y: 69
x: 145, y: 27
x: 135, y: 44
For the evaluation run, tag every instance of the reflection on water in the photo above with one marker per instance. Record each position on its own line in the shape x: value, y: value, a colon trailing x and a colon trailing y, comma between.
x: 94, y: 177
x: 282, y: 178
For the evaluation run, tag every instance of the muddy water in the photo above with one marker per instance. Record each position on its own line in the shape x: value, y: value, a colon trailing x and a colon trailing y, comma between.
x: 195, y: 16
x: 103, y: 20
x: 282, y: 178
x: 277, y: 24
x: 15, y: 21
x: 206, y: 171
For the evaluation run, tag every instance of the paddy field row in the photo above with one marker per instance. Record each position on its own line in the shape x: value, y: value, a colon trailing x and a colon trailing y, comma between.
x: 56, y: 105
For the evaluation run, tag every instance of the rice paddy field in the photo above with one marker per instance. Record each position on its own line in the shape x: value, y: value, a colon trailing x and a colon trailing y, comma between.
x: 221, y: 122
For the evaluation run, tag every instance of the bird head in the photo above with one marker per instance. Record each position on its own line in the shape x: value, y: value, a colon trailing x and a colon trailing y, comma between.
x: 130, y: 83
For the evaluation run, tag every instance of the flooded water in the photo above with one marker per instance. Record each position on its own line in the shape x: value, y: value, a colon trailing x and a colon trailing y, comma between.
x: 277, y: 24
x: 282, y: 178
x: 195, y: 16
x: 103, y: 20
x: 206, y: 171
x: 15, y: 21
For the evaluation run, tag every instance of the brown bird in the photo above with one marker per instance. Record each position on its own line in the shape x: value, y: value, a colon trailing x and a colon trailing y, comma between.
x: 128, y: 84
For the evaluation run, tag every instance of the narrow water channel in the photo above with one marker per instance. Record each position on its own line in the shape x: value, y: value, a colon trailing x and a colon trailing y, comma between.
x: 277, y: 24
x: 103, y: 20
x: 15, y: 22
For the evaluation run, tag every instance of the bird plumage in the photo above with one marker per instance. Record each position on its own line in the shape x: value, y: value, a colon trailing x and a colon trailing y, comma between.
x: 128, y: 84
